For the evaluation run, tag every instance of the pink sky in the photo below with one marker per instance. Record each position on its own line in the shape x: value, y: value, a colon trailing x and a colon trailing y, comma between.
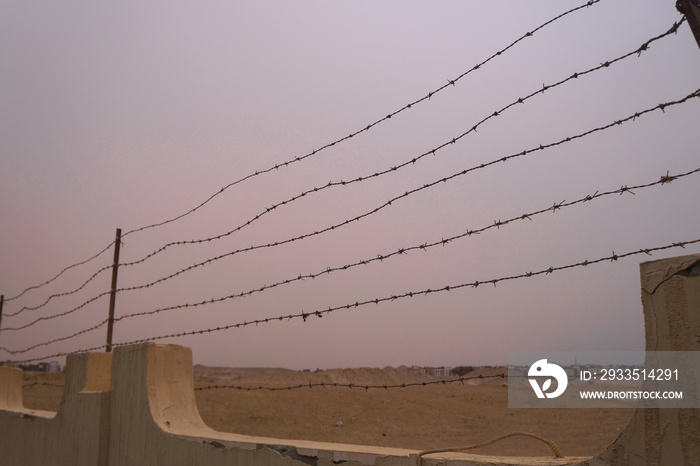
x: 129, y: 114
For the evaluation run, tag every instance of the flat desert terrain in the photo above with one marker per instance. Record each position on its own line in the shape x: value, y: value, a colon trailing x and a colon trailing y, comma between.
x: 416, y: 417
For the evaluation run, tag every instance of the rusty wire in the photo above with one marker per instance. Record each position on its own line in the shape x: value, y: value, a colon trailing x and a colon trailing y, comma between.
x: 388, y: 203
x: 56, y: 340
x: 450, y: 82
x: 411, y: 162
x: 633, y: 117
x: 317, y: 189
x: 304, y: 316
x: 664, y: 179
x: 107, y: 248
x: 67, y: 293
x: 42, y: 384
x: 410, y: 294
x: 321, y: 312
x: 461, y: 380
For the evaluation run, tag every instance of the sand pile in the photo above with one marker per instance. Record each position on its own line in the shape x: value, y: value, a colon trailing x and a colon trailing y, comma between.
x: 364, y: 376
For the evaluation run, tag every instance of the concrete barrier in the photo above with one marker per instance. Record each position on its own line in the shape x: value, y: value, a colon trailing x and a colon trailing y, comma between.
x: 671, y: 303
x: 136, y: 407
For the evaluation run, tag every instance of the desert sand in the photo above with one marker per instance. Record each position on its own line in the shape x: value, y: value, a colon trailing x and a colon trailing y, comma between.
x: 417, y: 417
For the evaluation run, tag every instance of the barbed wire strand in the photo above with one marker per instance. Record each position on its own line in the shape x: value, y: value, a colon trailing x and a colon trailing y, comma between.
x: 107, y: 248
x: 411, y: 162
x: 388, y: 203
x: 55, y: 316
x: 43, y: 384
x: 664, y: 179
x: 408, y: 193
x: 249, y: 388
x: 427, y: 97
x: 57, y: 340
x: 410, y: 294
x: 352, y: 385
x: 450, y: 82
x: 59, y: 295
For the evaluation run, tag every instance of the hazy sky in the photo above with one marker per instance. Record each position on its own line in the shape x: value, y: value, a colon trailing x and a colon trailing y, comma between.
x: 125, y: 114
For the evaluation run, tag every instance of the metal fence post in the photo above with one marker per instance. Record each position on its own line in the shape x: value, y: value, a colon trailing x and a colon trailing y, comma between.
x: 691, y: 10
x: 113, y: 293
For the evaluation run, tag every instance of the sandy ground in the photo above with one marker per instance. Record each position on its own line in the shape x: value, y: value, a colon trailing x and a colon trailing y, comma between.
x: 421, y: 417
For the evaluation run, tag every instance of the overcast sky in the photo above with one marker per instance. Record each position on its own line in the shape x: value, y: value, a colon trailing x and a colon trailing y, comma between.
x: 125, y: 114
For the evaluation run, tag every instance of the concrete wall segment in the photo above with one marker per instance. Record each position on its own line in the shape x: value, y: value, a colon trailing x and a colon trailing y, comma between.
x: 136, y: 407
x: 671, y: 305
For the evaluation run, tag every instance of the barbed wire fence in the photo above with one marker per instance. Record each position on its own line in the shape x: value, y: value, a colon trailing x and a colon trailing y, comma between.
x: 664, y: 179
x: 411, y: 162
x: 321, y: 312
x: 388, y: 203
x: 303, y: 315
x: 366, y: 387
x: 314, y: 152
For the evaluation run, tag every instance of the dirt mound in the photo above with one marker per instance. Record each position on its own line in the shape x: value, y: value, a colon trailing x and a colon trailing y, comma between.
x: 230, y: 374
x: 363, y: 376
x: 270, y: 377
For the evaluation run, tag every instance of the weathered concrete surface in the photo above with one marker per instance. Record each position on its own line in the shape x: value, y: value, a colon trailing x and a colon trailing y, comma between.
x: 148, y: 416
x: 137, y: 408
x: 77, y: 434
x: 671, y: 302
x: 153, y: 404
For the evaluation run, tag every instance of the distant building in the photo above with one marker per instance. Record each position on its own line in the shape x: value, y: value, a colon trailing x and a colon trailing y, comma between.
x: 51, y: 366
x: 54, y: 366
x: 442, y: 371
x: 439, y: 371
